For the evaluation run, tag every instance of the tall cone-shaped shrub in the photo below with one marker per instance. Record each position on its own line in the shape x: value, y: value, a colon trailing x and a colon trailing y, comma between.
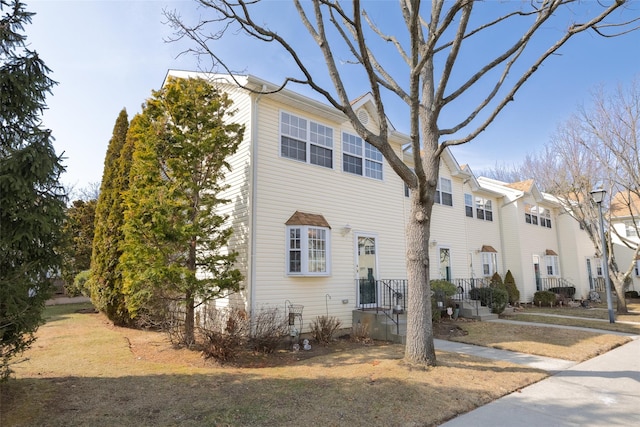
x: 106, y: 277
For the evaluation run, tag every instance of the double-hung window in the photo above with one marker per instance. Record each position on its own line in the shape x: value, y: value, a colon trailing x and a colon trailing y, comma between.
x: 531, y: 214
x: 484, y: 209
x: 444, y: 192
x: 305, y: 140
x: 468, y: 205
x: 545, y: 217
x: 630, y: 229
x: 553, y: 268
x: 308, y: 250
x: 360, y: 158
x: 489, y: 263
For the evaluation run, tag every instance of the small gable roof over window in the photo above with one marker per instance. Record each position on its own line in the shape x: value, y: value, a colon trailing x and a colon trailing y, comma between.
x: 301, y: 218
x: 550, y: 252
x: 487, y: 248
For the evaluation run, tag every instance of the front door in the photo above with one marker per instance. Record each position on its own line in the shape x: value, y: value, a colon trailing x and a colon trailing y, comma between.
x: 445, y: 264
x: 536, y: 271
x: 367, y: 270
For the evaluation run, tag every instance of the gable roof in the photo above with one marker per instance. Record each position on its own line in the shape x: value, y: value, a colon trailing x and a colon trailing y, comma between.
x: 625, y: 204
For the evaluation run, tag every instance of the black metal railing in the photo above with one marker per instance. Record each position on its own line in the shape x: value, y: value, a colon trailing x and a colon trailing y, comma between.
x: 465, y: 287
x: 556, y: 285
x: 388, y: 296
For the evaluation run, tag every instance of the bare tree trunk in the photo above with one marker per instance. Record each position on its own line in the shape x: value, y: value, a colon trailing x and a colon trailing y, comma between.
x: 419, y: 347
x: 189, y: 323
x: 621, y: 301
x: 189, y: 299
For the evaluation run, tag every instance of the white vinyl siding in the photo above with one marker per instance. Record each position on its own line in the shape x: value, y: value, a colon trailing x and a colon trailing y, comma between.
x: 305, y: 140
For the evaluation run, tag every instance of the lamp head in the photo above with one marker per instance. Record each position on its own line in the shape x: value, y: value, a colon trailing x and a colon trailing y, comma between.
x: 598, y: 193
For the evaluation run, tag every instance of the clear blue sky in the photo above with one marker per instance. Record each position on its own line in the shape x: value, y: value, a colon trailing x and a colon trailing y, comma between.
x: 107, y: 55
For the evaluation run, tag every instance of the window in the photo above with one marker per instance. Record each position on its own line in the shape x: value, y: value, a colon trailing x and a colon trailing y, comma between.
x: 552, y: 265
x: 308, y: 250
x: 360, y: 157
x: 630, y: 229
x: 637, y: 267
x: 599, y: 267
x: 530, y: 214
x: 306, y: 141
x: 468, y: 205
x: 545, y: 217
x: 484, y: 209
x: 489, y: 263
x: 444, y: 192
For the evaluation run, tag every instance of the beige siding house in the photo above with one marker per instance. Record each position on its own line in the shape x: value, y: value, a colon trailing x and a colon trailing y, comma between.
x: 624, y: 214
x: 318, y: 214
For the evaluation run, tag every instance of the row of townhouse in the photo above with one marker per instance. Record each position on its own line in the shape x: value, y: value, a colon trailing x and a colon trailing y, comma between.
x: 317, y: 212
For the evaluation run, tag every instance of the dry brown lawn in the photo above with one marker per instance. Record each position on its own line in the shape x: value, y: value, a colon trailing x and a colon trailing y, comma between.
x: 558, y: 343
x: 84, y: 371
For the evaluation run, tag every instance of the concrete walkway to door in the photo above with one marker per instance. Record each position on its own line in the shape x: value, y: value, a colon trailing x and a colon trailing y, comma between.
x: 603, y: 391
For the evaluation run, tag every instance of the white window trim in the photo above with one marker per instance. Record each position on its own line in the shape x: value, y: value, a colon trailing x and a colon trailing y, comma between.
x: 307, y: 140
x: 490, y: 259
x: 439, y: 191
x: 363, y: 157
x: 469, y: 202
x: 304, y: 251
x: 630, y: 229
x: 553, y: 262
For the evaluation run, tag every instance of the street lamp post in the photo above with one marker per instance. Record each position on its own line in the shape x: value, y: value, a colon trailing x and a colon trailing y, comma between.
x: 598, y: 195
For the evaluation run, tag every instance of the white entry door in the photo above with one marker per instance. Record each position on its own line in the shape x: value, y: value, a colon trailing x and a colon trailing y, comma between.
x: 367, y: 270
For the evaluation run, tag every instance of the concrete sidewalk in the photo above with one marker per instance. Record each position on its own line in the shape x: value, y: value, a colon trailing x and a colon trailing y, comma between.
x: 603, y: 391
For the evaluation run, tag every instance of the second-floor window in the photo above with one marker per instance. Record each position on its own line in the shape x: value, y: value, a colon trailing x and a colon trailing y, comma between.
x: 360, y: 158
x: 484, y: 209
x: 630, y: 229
x: 545, y: 217
x: 468, y: 205
x: 305, y: 140
x: 444, y: 192
x: 531, y: 214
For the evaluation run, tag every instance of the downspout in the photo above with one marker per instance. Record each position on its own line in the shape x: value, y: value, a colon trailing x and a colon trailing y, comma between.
x: 254, y: 194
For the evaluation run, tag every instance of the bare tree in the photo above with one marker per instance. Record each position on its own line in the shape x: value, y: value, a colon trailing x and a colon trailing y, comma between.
x: 610, y: 132
x: 598, y: 144
x: 433, y: 83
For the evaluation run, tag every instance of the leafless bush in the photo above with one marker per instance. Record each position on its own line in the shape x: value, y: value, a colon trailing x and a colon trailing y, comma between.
x: 360, y: 333
x: 224, y: 333
x: 323, y: 328
x: 269, y: 329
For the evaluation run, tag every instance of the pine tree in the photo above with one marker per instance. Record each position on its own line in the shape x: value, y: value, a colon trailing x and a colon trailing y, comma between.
x: 175, y: 238
x: 78, y: 241
x: 512, y: 289
x: 32, y: 201
x: 106, y: 279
